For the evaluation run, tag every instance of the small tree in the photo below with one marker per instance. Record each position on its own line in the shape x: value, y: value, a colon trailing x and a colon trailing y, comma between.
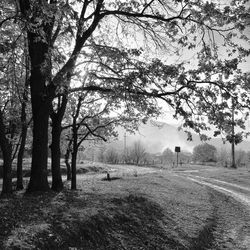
x: 167, y: 156
x: 111, y: 156
x: 204, y: 153
x: 223, y: 157
x: 185, y: 157
x: 137, y: 152
x: 101, y: 154
x: 67, y: 152
x: 227, y: 122
x: 6, y: 151
x: 88, y: 119
x: 240, y: 158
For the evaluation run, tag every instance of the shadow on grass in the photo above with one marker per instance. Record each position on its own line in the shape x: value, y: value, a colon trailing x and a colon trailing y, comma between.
x: 131, y: 222
x: 205, y: 238
x: 18, y: 210
x: 111, y: 178
x: 92, y: 221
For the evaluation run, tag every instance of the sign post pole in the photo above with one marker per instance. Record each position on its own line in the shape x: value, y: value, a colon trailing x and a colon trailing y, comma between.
x: 177, y: 150
x: 177, y: 158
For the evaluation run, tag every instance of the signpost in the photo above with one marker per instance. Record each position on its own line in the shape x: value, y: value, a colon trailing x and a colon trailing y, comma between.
x: 177, y: 150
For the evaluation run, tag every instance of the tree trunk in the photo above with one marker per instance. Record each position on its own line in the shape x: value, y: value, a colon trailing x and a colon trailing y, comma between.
x: 67, y: 164
x: 19, y: 184
x: 75, y: 144
x: 41, y: 102
x: 74, y: 155
x: 233, y: 138
x: 233, y: 156
x: 57, y: 184
x: 73, y: 169
x: 6, y: 151
x: 39, y: 173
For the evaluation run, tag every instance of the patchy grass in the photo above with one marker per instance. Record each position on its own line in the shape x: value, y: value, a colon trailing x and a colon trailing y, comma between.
x: 126, y: 222
x: 144, y: 212
x: 141, y: 209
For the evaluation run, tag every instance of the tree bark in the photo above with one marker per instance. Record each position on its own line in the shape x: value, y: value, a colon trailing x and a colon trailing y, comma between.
x: 74, y: 157
x: 38, y: 178
x: 6, y: 151
x: 75, y: 145
x: 233, y: 138
x: 57, y: 184
x: 19, y: 184
x: 233, y: 156
x: 73, y: 169
x: 41, y: 102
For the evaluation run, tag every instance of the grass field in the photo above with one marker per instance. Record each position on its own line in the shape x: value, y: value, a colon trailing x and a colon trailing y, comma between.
x: 142, y: 208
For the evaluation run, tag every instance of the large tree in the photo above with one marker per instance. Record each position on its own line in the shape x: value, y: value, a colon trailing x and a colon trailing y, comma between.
x: 204, y: 153
x: 173, y: 24
x: 167, y: 156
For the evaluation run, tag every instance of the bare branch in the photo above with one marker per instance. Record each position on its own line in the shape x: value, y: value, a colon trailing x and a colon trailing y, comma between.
x: 140, y: 15
x: 146, y: 6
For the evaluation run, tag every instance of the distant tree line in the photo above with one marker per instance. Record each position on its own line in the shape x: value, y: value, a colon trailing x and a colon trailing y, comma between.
x: 207, y: 153
x: 204, y: 153
x: 135, y: 154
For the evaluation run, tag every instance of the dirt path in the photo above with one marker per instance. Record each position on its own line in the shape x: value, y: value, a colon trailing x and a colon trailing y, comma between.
x: 231, y: 217
x: 229, y: 225
x: 224, y: 182
x: 238, y: 192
